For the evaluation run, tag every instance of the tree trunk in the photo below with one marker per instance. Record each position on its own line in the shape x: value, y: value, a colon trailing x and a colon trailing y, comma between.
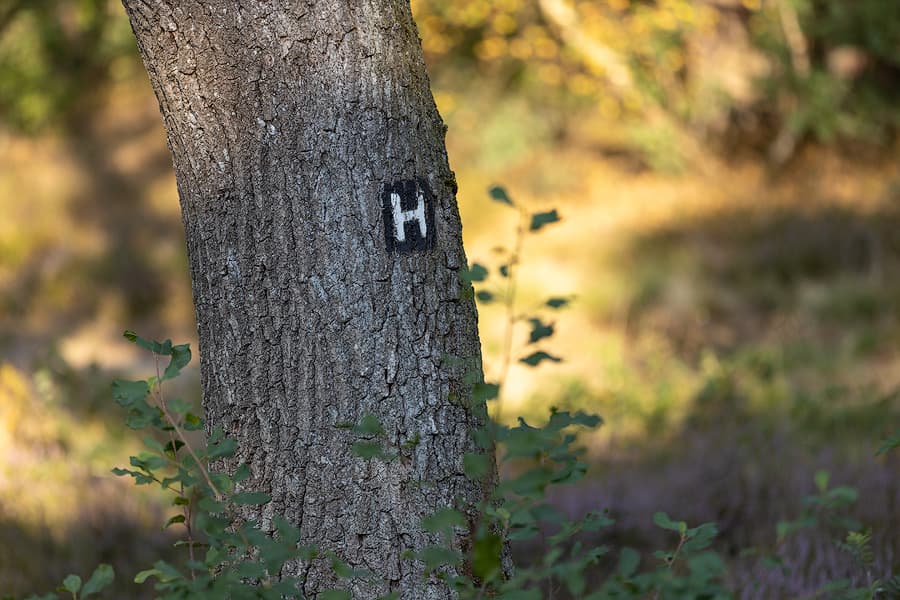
x: 324, y: 244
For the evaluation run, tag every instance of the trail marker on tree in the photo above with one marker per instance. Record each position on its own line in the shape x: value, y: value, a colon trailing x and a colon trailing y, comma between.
x: 408, y: 209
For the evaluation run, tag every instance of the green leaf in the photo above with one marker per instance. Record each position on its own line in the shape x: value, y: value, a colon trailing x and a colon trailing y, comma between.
x: 142, y: 576
x: 475, y: 466
x: 484, y: 296
x: 484, y: 438
x: 225, y: 447
x: 181, y: 356
x: 217, y: 434
x: 251, y: 498
x: 210, y: 505
x: 889, y: 444
x: 562, y: 419
x: 557, y: 302
x: 139, y: 420
x: 153, y: 444
x: 172, y: 447
x: 525, y: 532
x: 278, y: 590
x: 572, y: 572
x: 539, y: 220
x: 221, y: 481
x: 821, y: 480
x: 139, y: 478
x: 178, y: 406
x: 308, y: 553
x: 163, y: 348
x: 498, y: 193
x: 369, y: 425
x: 241, y: 473
x: 539, y: 330
x: 180, y: 476
x: 532, y: 482
x: 474, y: 273
x: 438, y: 556
x: 72, y: 583
x: 548, y: 513
x: 700, y: 537
x: 126, y: 393
x: 786, y: 528
x: 287, y: 532
x: 167, y: 571
x: 192, y: 422
x: 842, y: 496
x: 484, y: 391
x: 412, y: 442
x: 706, y: 566
x: 468, y: 363
x: 251, y: 570
x: 772, y: 561
x: 839, y: 585
x: 345, y: 571
x: 148, y: 461
x: 662, y: 520
x: 173, y: 520
x: 443, y: 521
x: 369, y: 450
x: 486, y: 556
x: 629, y: 559
x: 535, y: 358
x: 504, y: 270
x: 102, y: 576
x: 595, y: 521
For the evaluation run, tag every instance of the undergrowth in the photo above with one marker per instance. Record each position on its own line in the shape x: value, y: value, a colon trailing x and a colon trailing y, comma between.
x: 225, y: 556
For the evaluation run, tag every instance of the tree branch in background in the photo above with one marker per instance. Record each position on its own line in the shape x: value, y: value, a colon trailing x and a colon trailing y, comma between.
x: 599, y: 56
x: 614, y: 66
x: 785, y: 143
x: 8, y: 14
x: 793, y: 35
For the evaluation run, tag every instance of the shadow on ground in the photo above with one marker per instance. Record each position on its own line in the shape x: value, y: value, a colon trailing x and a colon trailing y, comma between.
x: 35, y: 559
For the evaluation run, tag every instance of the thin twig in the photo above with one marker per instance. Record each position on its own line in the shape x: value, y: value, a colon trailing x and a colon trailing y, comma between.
x: 183, y: 437
x: 671, y: 561
x: 512, y: 278
x: 186, y: 509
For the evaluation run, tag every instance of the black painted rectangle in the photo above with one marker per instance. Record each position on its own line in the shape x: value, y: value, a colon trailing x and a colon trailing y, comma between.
x: 408, y: 214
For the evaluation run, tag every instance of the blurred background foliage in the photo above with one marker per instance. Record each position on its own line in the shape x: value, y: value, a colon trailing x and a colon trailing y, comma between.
x: 728, y: 175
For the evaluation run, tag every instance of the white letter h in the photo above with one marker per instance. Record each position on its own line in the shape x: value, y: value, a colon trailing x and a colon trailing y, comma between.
x: 401, y: 217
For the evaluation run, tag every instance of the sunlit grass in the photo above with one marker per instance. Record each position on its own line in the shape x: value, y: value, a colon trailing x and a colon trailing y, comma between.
x: 636, y: 249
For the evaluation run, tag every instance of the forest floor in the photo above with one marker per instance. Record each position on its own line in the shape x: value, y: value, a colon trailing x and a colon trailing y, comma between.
x: 737, y: 329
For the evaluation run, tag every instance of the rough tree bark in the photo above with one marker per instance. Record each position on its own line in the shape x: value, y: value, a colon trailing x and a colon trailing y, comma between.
x: 302, y: 132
